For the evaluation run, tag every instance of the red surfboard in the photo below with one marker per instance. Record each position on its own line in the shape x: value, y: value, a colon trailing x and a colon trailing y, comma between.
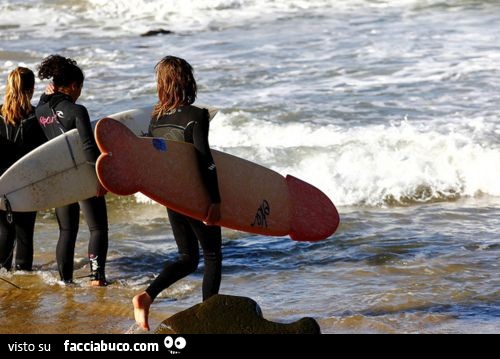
x: 254, y: 198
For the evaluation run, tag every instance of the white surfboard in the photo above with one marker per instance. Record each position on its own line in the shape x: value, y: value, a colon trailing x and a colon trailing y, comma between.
x: 57, y: 173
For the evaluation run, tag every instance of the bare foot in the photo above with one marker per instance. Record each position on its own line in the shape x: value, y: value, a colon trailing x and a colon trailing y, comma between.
x: 141, y: 303
x: 98, y: 283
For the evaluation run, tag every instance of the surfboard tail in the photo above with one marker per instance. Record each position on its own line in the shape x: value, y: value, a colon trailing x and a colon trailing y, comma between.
x: 314, y: 216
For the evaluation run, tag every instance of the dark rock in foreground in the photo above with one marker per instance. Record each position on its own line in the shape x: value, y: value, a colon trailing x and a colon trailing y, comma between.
x: 223, y: 314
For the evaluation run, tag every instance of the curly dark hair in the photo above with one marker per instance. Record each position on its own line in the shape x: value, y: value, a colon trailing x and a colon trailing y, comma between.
x: 62, y: 70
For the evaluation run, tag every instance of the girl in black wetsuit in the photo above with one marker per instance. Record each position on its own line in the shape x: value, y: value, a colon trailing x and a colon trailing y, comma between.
x: 19, y: 134
x: 57, y: 113
x: 174, y: 118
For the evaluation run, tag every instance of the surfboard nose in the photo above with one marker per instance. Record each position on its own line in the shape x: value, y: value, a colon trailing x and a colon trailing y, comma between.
x: 314, y: 216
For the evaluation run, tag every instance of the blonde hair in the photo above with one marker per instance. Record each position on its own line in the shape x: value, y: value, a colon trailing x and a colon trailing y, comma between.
x: 18, y: 94
x: 175, y: 85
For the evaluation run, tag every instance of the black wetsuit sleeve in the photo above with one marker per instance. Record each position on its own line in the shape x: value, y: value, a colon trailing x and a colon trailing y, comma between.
x: 205, y: 161
x: 82, y: 123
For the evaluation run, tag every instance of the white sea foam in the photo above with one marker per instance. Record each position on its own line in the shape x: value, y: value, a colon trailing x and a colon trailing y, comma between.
x: 117, y: 17
x: 374, y: 165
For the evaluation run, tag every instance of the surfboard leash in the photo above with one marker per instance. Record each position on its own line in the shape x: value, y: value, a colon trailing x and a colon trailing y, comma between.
x: 84, y: 276
x: 10, y: 219
x: 12, y: 284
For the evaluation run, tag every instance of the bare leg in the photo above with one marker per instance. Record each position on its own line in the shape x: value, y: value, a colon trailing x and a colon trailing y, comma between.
x: 142, y: 302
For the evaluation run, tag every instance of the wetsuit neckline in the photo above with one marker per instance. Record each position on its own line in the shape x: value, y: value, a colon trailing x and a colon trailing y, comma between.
x: 57, y: 98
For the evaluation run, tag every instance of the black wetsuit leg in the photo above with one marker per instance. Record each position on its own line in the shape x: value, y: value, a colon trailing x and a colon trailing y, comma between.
x: 187, y: 232
x: 25, y: 227
x: 95, y: 213
x: 68, y: 218
x: 188, y: 259
x: 210, y: 238
x: 7, y: 239
x: 20, y: 233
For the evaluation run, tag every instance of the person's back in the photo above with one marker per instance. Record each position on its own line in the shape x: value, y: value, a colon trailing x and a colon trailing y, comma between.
x: 18, y: 139
x: 58, y: 113
x: 179, y: 125
x: 19, y: 134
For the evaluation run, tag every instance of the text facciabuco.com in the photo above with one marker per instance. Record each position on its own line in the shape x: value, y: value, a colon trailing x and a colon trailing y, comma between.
x: 102, y: 346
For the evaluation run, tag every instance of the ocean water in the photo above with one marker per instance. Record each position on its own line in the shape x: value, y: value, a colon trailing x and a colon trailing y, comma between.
x: 390, y: 107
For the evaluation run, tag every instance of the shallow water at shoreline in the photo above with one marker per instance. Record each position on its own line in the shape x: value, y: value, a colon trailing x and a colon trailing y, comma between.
x: 382, y: 274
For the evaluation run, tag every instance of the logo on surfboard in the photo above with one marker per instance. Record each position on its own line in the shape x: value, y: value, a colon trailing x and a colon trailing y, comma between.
x: 160, y: 144
x: 261, y: 215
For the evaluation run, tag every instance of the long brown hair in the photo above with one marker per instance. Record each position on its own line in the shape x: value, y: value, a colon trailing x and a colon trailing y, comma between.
x: 175, y: 85
x: 18, y: 94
